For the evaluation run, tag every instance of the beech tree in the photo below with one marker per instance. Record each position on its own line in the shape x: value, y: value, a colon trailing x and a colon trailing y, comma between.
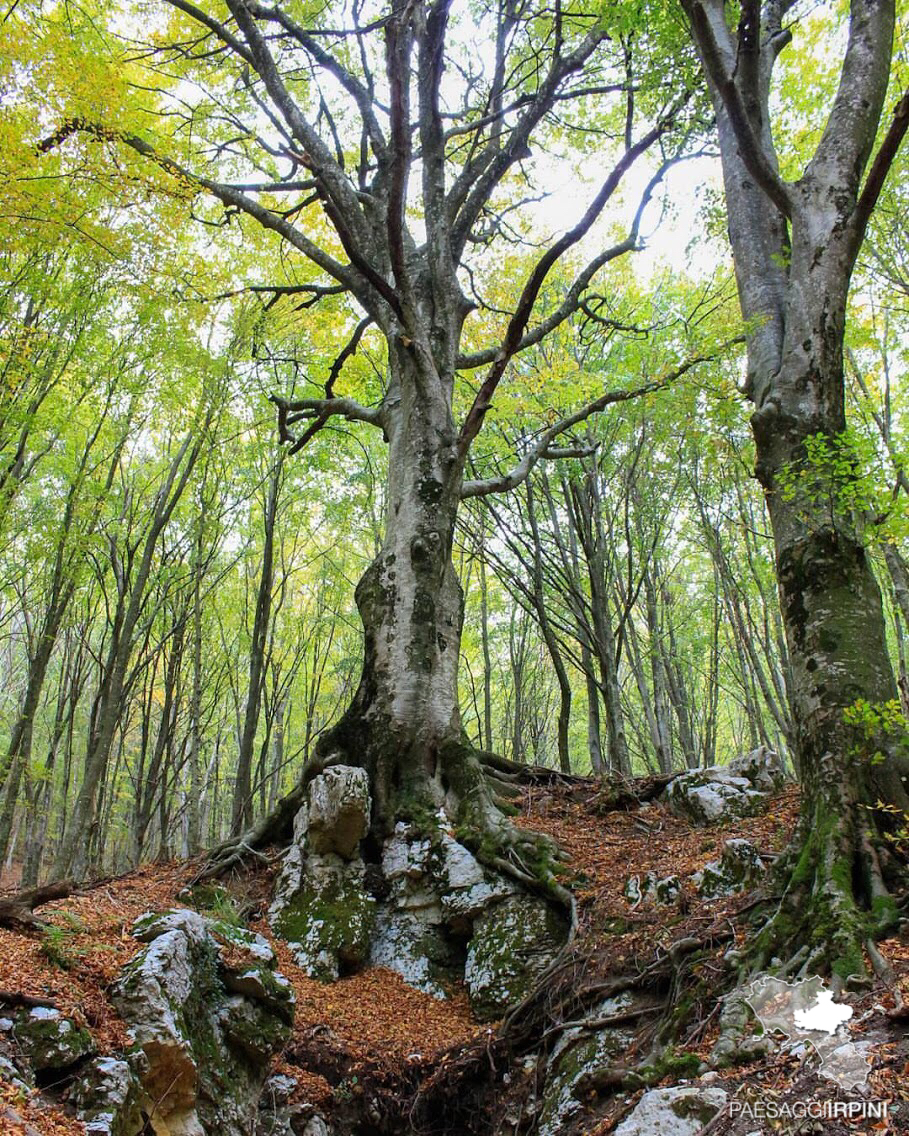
x: 795, y: 243
x: 394, y: 154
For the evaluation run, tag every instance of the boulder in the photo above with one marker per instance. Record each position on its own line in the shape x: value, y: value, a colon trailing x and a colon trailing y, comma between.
x: 513, y: 942
x: 682, y: 1110
x: 425, y: 881
x: 207, y: 1023
x: 321, y: 904
x: 337, y: 811
x: 50, y: 1042
x: 739, y: 867
x: 762, y: 767
x: 425, y: 908
x: 580, y: 1053
x: 724, y: 792
x: 328, y: 920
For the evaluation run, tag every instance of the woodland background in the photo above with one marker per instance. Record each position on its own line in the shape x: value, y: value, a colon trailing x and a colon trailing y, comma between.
x: 177, y: 625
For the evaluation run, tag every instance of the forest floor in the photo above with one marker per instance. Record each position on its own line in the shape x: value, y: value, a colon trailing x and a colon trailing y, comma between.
x: 370, y: 1031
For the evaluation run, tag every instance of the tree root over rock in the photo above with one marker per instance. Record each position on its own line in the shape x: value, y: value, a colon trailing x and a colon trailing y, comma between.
x: 480, y: 781
x: 837, y: 894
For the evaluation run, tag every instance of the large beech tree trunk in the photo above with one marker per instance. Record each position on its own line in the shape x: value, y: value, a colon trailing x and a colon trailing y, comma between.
x: 794, y: 246
x: 405, y: 710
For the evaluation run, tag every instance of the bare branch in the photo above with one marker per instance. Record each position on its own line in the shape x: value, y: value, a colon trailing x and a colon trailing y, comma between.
x: 472, y: 189
x: 572, y: 299
x: 213, y: 26
x: 880, y: 168
x: 318, y: 411
x: 349, y: 349
x: 352, y: 280
x: 543, y: 448
x: 362, y: 96
x: 515, y: 333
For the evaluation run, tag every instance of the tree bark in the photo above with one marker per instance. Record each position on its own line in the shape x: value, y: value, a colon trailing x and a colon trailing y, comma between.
x: 794, y: 246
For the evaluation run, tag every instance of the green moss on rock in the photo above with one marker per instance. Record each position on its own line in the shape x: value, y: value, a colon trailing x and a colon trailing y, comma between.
x: 513, y: 943
x: 329, y: 921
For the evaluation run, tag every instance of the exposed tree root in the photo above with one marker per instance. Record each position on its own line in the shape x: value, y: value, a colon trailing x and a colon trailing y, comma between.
x: 476, y: 781
x: 26, y: 1001
x: 835, y: 900
x: 17, y: 911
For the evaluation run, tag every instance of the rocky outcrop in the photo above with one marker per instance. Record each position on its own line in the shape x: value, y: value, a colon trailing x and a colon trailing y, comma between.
x: 208, y: 1010
x: 725, y: 792
x: 579, y: 1054
x: 513, y: 942
x: 424, y: 906
x: 107, y: 1096
x: 322, y: 905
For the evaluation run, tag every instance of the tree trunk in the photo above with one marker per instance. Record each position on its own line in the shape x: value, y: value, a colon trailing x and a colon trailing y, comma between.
x: 549, y: 637
x: 403, y: 726
x: 404, y: 715
x: 241, y: 807
x: 794, y: 246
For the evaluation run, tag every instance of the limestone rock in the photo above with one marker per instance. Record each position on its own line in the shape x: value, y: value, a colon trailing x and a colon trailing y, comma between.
x: 10, y: 1073
x: 411, y: 934
x: 49, y: 1041
x: 107, y: 1096
x: 414, y: 911
x: 649, y: 889
x: 468, y: 888
x: 713, y: 796
x: 762, y: 767
x: 739, y: 867
x: 207, y: 1028
x: 513, y: 942
x: 328, y: 920
x: 724, y: 792
x: 577, y: 1054
x: 337, y: 811
x: 321, y: 904
x: 678, y: 1111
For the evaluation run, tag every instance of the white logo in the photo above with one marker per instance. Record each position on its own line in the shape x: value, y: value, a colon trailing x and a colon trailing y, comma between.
x: 806, y: 1013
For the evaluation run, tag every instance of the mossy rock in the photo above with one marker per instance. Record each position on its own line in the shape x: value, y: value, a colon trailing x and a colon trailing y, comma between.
x: 738, y: 868
x: 329, y: 921
x: 513, y: 942
x: 49, y: 1041
x: 255, y: 1036
x: 107, y: 1097
x: 576, y: 1056
x: 207, y: 1028
x: 677, y: 1111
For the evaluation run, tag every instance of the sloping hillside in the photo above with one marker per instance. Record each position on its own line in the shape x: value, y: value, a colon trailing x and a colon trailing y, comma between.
x: 369, y: 1054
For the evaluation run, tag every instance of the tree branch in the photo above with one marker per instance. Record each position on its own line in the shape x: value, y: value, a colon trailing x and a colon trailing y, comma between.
x: 880, y: 168
x: 361, y: 95
x: 213, y: 26
x: 353, y: 281
x: 543, y: 448
x: 476, y: 182
x: 572, y: 299
x: 318, y: 411
x: 514, y: 335
x: 750, y: 148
